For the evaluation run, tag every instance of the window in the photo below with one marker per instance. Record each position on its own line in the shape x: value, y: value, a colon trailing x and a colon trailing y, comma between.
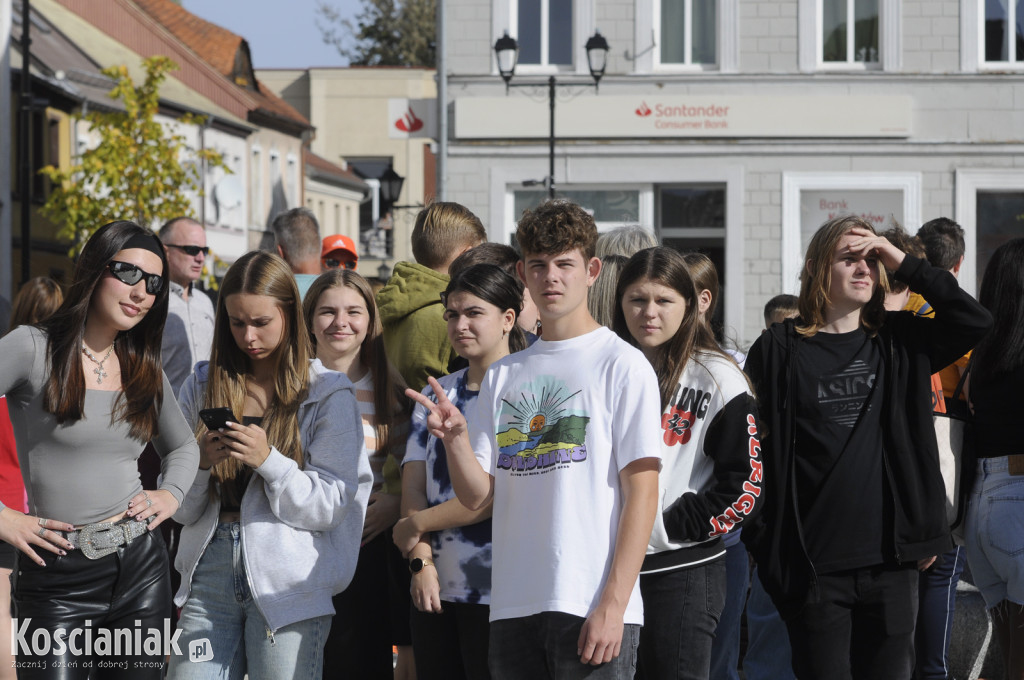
x: 990, y: 208
x: 551, y: 33
x: 610, y: 208
x: 811, y: 199
x: 293, y: 180
x: 849, y: 34
x: 849, y: 31
x: 691, y: 218
x: 688, y: 31
x: 1004, y: 30
x: 685, y: 35
x: 258, y: 209
x: 542, y: 27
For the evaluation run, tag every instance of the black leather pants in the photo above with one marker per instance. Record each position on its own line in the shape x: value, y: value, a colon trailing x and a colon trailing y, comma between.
x: 120, y: 597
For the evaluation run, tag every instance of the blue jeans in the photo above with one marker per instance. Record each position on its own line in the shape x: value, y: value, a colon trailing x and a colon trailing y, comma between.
x: 544, y: 646
x: 767, y: 656
x: 681, y: 611
x: 995, y: 532
x: 221, y: 620
x: 936, y: 590
x: 725, y: 648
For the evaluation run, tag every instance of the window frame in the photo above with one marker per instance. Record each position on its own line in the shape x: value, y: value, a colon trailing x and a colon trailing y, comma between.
x: 810, y: 45
x: 972, y: 41
x: 647, y: 47
x: 794, y: 183
x: 585, y: 174
x: 505, y: 17
x: 969, y: 182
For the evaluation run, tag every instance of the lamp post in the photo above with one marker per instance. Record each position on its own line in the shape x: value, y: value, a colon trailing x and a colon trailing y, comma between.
x: 390, y: 188
x: 506, y: 49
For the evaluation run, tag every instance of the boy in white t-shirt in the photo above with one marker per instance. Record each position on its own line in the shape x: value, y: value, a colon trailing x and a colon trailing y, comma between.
x: 565, y: 439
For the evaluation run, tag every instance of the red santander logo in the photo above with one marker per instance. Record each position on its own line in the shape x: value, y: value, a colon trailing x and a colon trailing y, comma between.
x: 644, y: 110
x: 409, y: 122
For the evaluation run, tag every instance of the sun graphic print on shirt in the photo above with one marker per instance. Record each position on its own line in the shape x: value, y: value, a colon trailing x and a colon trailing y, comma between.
x: 538, y: 431
x: 677, y: 425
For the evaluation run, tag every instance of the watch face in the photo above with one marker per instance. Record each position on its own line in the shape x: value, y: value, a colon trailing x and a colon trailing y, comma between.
x: 415, y: 565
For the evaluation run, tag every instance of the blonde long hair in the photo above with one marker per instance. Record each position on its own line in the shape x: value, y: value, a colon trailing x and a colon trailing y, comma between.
x: 261, y: 273
x: 816, y: 279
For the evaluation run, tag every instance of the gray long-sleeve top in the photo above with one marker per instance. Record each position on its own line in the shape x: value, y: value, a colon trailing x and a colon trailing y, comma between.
x: 86, y: 470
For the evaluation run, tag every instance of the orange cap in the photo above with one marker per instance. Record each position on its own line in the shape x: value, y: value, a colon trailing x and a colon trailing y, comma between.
x: 338, y: 242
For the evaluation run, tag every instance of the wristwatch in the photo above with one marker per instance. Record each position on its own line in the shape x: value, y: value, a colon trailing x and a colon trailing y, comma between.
x: 416, y: 564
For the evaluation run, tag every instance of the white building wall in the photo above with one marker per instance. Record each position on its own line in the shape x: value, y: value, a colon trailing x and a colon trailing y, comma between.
x: 962, y: 124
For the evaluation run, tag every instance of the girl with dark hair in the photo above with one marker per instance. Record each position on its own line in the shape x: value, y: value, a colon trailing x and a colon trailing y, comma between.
x: 273, y: 519
x: 449, y: 547
x: 854, y: 502
x: 344, y: 325
x: 86, y: 394
x: 995, y: 514
x: 709, y: 481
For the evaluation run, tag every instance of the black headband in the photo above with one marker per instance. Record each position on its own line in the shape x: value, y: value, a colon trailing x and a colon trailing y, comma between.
x: 146, y: 242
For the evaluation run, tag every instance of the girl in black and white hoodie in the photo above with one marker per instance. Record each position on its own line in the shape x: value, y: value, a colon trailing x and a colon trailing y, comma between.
x: 710, y: 479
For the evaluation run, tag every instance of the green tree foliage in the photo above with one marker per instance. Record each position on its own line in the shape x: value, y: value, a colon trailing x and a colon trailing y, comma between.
x: 384, y: 33
x: 138, y: 171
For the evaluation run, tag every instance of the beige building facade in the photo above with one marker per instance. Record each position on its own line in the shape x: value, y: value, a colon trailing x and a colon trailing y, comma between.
x: 368, y: 118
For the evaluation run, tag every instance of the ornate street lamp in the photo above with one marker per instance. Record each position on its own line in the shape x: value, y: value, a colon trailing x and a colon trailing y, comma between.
x: 390, y: 187
x: 506, y: 50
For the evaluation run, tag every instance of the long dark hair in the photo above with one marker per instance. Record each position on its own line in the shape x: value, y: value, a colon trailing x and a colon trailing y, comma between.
x: 390, y: 404
x: 667, y: 267
x: 493, y: 284
x: 138, y: 350
x: 1002, y: 293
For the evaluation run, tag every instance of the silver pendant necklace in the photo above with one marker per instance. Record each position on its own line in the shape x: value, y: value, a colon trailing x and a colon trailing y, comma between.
x: 100, y: 373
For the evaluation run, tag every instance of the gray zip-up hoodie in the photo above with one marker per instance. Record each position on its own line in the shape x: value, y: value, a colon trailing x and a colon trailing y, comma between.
x: 301, y: 528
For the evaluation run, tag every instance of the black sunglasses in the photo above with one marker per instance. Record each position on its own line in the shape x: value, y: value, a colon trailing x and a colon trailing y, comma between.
x: 332, y: 263
x: 130, y: 274
x: 191, y: 250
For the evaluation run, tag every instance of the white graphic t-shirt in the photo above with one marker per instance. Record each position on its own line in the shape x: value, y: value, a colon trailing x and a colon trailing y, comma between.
x: 554, y: 424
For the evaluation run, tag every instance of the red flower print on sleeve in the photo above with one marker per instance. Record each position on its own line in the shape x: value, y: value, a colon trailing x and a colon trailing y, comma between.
x: 676, y: 424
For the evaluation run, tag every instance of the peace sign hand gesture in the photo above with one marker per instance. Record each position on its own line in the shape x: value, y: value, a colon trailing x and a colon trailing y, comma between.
x: 444, y: 420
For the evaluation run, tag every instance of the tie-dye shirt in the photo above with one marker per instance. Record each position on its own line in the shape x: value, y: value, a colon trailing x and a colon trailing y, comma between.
x: 462, y: 555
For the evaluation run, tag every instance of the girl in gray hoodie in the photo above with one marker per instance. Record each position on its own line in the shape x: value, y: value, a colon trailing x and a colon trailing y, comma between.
x: 272, y: 522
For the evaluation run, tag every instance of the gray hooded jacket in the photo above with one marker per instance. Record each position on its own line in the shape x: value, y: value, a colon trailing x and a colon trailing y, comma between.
x: 301, y: 528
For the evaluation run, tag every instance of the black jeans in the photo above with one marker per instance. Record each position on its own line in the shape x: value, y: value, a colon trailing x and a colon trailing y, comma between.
x: 681, y: 612
x: 124, y: 595
x: 451, y: 645
x: 543, y: 647
x: 862, y: 627
x: 359, y: 644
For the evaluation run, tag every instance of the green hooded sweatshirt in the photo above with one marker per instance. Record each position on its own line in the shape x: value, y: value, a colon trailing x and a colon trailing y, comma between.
x: 415, y: 333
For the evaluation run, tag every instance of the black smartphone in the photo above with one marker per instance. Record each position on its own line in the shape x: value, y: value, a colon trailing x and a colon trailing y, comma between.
x: 217, y: 418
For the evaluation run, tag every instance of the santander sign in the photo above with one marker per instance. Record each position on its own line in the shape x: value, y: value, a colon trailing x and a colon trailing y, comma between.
x: 682, y: 116
x: 408, y: 122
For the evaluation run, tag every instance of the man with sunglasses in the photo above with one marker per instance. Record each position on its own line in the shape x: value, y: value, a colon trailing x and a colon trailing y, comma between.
x: 188, y: 334
x: 338, y: 252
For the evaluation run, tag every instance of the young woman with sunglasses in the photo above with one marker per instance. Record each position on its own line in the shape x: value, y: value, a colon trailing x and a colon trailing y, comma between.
x: 273, y: 519
x: 345, y: 327
x: 86, y: 393
x: 449, y: 547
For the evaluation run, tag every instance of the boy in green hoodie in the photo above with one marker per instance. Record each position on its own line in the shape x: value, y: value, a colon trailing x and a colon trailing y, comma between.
x: 415, y: 333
